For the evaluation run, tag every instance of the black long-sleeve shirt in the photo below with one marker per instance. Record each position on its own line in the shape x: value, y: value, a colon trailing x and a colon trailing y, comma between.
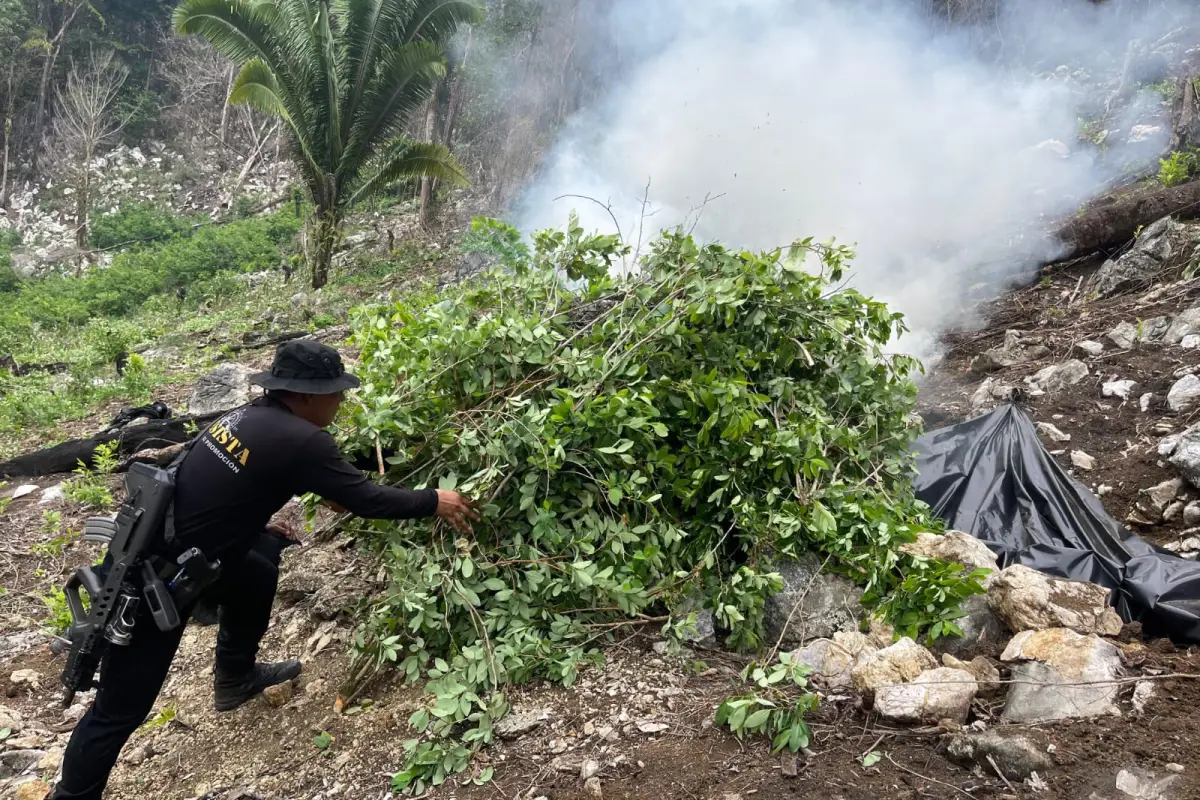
x: 248, y: 464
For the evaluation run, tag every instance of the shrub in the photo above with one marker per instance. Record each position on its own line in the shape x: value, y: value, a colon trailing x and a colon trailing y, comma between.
x: 140, y: 110
x: 137, y: 380
x: 635, y: 440
x: 110, y: 339
x: 61, y: 302
x: 9, y: 280
x: 1177, y: 168
x: 140, y: 223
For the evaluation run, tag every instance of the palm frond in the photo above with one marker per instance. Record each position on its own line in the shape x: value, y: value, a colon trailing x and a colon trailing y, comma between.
x: 437, y: 20
x: 257, y: 87
x: 404, y: 158
x: 366, y: 24
x: 238, y: 30
x: 329, y: 78
x: 405, y: 80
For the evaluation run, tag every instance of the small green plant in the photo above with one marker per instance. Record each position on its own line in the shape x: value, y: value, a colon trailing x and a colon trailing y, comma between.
x: 52, y: 527
x: 871, y: 759
x: 51, y: 522
x: 165, y: 716
x: 1166, y: 87
x: 245, y: 206
x: 58, y: 613
x: 106, y: 458
x: 136, y: 380
x: 1193, y: 265
x: 1177, y: 168
x: 322, y: 740
x: 776, y: 707
x: 90, y: 488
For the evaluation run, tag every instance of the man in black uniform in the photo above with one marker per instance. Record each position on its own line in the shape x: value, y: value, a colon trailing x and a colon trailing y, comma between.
x: 238, y: 474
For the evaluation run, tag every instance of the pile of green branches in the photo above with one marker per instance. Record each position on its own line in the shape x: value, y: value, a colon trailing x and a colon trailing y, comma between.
x: 636, y: 439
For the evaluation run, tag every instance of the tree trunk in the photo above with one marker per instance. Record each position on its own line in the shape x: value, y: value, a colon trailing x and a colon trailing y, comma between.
x: 1183, y: 132
x: 39, y: 120
x: 251, y: 160
x: 225, y: 109
x: 8, y: 126
x: 81, y: 205
x: 426, y: 181
x: 1116, y: 223
x: 457, y: 90
x: 324, y: 235
x: 82, y: 200
x: 66, y: 456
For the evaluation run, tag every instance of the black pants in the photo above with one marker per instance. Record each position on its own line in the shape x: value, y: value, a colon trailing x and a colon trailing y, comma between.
x: 132, y: 676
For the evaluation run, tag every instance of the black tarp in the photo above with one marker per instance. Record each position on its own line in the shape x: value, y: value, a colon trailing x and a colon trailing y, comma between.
x: 991, y: 477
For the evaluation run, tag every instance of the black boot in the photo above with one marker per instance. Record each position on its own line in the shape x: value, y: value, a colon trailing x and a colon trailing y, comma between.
x: 231, y: 692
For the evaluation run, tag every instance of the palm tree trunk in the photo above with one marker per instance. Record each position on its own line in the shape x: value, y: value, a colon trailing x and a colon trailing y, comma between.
x: 324, y: 234
x: 427, y: 182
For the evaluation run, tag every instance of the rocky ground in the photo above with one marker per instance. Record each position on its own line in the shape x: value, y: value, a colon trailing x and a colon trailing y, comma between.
x: 1049, y: 695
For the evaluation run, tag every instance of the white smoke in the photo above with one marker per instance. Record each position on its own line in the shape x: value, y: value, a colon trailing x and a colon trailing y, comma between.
x: 844, y: 119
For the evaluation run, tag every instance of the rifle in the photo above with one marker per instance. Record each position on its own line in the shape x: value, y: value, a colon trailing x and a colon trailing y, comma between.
x: 115, y: 595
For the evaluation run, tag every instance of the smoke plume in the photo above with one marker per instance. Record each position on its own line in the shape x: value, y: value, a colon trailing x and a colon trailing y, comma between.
x: 944, y: 152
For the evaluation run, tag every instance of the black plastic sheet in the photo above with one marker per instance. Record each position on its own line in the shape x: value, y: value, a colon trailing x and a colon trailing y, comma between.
x: 991, y: 477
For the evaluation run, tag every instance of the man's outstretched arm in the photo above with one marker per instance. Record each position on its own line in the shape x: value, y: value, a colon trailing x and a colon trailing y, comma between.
x: 325, y: 472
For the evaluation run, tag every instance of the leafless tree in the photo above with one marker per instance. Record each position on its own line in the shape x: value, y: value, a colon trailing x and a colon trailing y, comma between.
x: 203, y: 78
x: 86, y: 121
x: 53, y: 46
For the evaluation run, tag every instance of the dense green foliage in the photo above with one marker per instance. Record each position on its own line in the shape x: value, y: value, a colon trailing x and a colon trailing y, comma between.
x: 8, y: 278
x: 635, y: 441
x: 140, y: 223
x: 345, y: 78
x: 59, y: 301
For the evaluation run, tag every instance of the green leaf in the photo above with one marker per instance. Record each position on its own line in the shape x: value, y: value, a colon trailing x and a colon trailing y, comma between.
x: 758, y: 718
x: 322, y: 740
x: 871, y: 759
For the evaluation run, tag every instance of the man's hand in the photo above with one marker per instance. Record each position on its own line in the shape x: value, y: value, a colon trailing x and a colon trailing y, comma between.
x: 459, y: 511
x: 284, y: 530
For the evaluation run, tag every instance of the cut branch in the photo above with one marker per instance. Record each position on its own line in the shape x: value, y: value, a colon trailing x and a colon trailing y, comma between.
x: 66, y: 456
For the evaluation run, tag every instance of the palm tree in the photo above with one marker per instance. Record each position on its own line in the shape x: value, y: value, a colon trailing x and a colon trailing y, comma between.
x: 345, y: 76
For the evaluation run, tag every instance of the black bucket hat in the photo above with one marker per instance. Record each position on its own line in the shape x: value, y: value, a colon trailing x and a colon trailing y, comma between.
x: 307, y: 367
